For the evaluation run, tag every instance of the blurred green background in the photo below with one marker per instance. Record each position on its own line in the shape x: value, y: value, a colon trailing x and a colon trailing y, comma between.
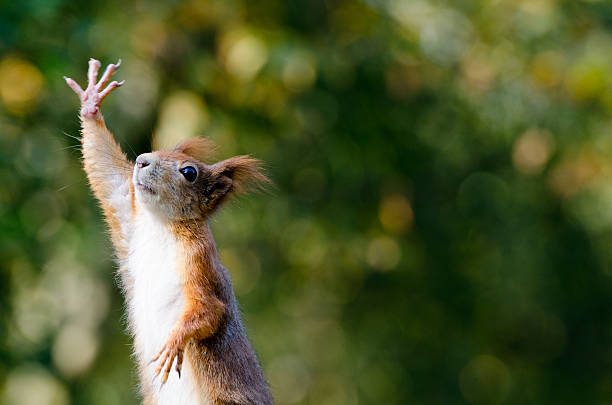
x: 440, y: 231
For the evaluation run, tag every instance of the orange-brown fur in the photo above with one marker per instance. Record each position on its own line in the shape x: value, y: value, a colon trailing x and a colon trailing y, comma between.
x: 209, y: 334
x: 103, y: 158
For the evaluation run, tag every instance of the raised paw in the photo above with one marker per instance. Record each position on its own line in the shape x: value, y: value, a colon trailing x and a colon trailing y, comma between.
x: 171, y: 350
x: 92, y: 96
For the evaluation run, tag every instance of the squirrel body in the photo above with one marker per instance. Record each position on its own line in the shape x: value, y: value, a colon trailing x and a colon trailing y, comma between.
x: 156, y: 305
x: 182, y: 310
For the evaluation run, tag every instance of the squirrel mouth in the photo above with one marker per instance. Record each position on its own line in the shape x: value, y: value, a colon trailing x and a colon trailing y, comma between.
x: 145, y: 188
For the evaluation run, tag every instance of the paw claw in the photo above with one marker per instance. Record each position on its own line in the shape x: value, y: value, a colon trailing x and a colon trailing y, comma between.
x: 171, y: 351
x: 91, y: 97
x: 179, y: 362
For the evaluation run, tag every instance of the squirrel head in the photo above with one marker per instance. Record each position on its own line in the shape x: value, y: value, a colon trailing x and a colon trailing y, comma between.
x: 176, y: 185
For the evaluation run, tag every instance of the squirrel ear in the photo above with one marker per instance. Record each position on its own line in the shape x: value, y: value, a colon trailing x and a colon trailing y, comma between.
x: 198, y: 148
x: 238, y: 174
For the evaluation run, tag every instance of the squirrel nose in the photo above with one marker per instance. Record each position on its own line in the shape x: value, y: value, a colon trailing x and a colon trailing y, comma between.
x: 142, y: 161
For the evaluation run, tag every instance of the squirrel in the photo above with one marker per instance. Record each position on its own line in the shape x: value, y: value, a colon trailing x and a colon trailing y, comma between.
x: 180, y: 302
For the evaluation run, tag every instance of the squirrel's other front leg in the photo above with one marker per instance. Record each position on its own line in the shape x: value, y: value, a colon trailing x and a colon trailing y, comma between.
x: 201, y: 319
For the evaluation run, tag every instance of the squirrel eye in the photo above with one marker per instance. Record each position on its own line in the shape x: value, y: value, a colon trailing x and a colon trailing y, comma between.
x: 190, y: 173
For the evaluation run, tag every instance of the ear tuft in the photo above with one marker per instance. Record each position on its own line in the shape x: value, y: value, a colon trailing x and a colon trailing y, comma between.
x: 246, y: 173
x: 198, y: 148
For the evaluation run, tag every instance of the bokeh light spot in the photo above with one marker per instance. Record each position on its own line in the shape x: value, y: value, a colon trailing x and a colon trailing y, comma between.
x: 478, y: 70
x: 74, y: 350
x: 395, y: 214
x: 575, y: 172
x: 532, y: 150
x: 183, y: 114
x: 384, y: 253
x: 586, y: 80
x: 299, y: 72
x: 20, y: 85
x: 33, y: 385
x: 244, y: 56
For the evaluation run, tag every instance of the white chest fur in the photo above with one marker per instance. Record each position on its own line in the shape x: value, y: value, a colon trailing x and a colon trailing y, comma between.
x: 156, y: 304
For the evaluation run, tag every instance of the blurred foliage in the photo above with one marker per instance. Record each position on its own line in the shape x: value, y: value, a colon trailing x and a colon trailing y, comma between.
x: 440, y: 231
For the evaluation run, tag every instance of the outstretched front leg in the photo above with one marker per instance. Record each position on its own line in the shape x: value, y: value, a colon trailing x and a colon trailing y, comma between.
x: 108, y: 170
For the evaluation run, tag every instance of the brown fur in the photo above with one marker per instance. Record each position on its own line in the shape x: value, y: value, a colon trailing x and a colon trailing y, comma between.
x: 201, y: 149
x: 223, y: 358
x: 104, y: 161
x: 209, y: 333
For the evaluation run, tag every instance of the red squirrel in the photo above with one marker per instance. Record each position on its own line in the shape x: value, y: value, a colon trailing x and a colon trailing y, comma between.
x: 181, y: 305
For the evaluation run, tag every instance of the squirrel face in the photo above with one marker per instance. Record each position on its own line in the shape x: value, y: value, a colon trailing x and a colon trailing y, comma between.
x: 176, y: 186
x: 172, y: 184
